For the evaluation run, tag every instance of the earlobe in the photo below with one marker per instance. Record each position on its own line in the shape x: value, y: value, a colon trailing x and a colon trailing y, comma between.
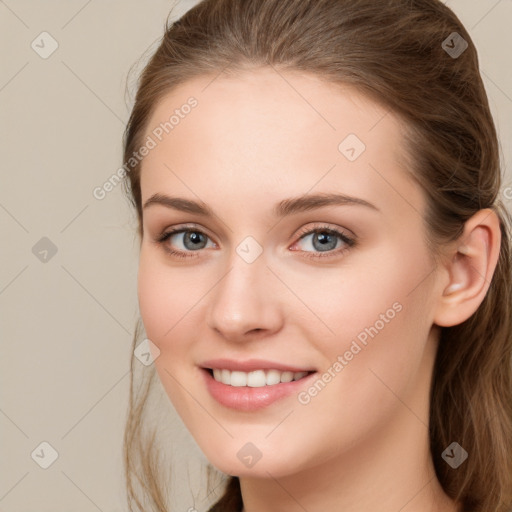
x: 471, y: 266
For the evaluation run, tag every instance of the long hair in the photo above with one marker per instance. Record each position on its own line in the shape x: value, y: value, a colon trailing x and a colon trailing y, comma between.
x: 402, y: 54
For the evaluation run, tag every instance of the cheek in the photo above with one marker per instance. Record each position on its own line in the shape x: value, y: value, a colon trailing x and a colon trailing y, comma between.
x: 359, y: 294
x: 166, y: 311
x: 153, y: 300
x: 161, y: 298
x: 171, y: 302
x: 379, y: 317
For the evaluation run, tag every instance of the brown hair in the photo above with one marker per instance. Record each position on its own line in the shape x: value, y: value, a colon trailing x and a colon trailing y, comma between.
x: 393, y: 51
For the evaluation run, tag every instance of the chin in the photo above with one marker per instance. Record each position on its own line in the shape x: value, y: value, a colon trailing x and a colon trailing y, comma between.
x: 244, y: 459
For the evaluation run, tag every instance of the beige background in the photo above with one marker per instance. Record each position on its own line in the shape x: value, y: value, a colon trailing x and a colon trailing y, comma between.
x: 67, y: 323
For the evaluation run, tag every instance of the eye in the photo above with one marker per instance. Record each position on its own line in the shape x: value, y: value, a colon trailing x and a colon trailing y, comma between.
x: 324, y: 239
x: 327, y: 241
x: 189, y: 240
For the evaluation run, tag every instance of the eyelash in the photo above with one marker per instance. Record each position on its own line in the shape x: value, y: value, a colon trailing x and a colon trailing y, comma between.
x: 349, y: 241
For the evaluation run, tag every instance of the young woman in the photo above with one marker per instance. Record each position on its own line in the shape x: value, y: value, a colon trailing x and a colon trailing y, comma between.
x: 324, y: 274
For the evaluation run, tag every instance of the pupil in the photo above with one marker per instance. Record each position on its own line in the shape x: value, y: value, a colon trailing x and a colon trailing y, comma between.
x: 324, y: 239
x: 193, y: 237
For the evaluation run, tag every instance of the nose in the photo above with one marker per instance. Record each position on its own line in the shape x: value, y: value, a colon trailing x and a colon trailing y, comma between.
x: 245, y: 303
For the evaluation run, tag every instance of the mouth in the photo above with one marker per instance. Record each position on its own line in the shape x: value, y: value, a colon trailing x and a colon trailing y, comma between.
x: 256, y: 378
x: 255, y: 389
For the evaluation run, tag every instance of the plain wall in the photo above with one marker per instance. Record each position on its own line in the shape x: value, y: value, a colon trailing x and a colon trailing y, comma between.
x: 67, y: 322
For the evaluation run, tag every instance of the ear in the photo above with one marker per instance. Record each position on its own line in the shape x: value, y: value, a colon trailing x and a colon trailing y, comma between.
x: 470, y: 266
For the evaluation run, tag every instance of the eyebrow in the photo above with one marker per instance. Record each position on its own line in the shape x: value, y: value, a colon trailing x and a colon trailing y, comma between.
x: 283, y: 208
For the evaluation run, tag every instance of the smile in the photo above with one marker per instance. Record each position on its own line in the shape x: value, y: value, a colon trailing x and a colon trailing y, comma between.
x: 255, y: 379
x: 255, y: 389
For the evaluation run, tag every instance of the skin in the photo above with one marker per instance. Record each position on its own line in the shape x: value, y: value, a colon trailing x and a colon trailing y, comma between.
x: 254, y: 139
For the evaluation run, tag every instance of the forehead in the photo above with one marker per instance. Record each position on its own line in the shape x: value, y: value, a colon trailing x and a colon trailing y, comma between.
x: 275, y: 133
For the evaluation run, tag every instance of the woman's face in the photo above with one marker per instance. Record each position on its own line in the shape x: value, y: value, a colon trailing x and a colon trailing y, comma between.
x: 257, y: 164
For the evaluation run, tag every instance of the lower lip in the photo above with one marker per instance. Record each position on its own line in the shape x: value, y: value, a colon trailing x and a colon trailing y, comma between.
x: 245, y: 398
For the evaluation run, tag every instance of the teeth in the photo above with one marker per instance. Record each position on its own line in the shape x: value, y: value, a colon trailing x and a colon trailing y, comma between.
x: 255, y: 379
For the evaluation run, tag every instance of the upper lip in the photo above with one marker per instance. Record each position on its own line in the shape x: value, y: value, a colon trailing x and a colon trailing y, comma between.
x: 251, y: 365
